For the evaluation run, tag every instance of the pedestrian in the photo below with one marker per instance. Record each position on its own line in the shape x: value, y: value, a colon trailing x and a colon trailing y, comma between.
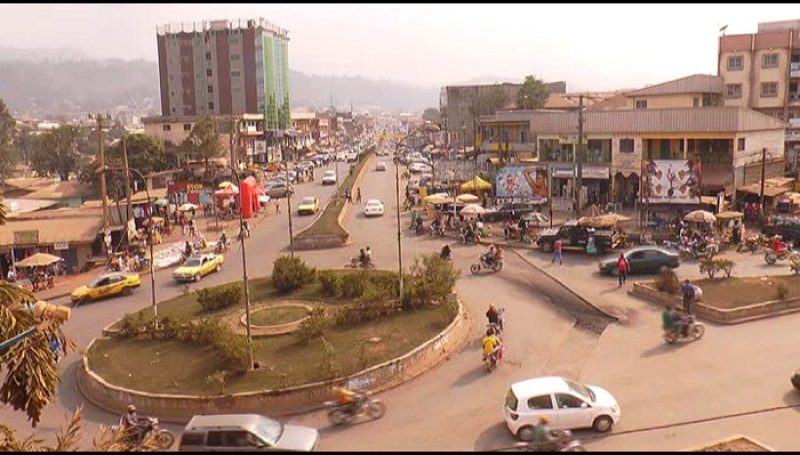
x: 277, y: 207
x: 192, y: 230
x: 358, y: 199
x: 688, y: 296
x: 246, y: 229
x: 557, y: 252
x: 348, y: 196
x: 622, y: 268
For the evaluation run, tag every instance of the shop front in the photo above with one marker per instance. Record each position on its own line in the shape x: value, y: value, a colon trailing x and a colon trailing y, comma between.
x: 596, y: 181
x: 563, y: 186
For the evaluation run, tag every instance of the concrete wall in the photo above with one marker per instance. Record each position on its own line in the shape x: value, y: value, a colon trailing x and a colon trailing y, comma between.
x: 666, y: 101
x: 773, y: 74
x: 754, y: 141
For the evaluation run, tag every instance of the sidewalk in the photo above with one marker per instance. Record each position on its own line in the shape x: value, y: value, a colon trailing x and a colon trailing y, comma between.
x: 64, y: 285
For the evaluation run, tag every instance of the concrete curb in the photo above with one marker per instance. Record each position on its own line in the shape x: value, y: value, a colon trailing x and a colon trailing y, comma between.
x: 598, y: 309
x: 283, y: 402
x: 730, y: 439
x: 348, y: 206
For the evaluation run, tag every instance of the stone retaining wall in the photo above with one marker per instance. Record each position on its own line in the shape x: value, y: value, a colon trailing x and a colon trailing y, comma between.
x: 180, y: 408
x: 646, y: 291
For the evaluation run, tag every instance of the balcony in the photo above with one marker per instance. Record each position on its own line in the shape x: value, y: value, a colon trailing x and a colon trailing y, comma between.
x: 794, y: 69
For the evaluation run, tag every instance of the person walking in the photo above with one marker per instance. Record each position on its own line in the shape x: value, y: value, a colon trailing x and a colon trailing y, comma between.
x: 358, y: 198
x: 688, y: 296
x: 622, y: 268
x: 557, y: 252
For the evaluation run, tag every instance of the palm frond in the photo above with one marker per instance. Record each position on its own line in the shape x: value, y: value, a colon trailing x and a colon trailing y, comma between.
x: 67, y: 439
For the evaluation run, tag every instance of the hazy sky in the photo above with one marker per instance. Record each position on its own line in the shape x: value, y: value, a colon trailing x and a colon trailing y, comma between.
x: 592, y: 47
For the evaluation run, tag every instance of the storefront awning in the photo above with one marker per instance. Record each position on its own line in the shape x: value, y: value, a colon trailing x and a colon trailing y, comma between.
x: 769, y: 191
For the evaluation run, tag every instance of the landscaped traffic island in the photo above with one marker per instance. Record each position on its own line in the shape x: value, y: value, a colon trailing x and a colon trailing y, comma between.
x: 351, y: 322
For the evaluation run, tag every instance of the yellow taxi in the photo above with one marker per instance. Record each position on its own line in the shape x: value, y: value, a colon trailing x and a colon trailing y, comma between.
x: 198, y: 266
x: 106, y: 286
x: 309, y: 205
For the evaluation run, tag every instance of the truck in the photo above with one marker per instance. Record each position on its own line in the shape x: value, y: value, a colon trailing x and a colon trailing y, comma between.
x: 574, y: 235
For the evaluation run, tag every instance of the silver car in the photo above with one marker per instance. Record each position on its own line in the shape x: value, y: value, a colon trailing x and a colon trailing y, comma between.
x: 245, y: 433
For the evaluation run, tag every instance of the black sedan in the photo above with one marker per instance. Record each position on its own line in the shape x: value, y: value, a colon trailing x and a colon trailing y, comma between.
x: 644, y: 259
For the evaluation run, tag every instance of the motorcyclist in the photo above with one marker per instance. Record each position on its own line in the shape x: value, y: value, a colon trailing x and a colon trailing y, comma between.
x: 436, y: 225
x: 223, y: 242
x: 445, y: 253
x: 489, y: 256
x: 346, y: 398
x: 188, y: 250
x: 132, y: 422
x: 542, y: 435
x: 669, y: 319
x: 491, y: 344
x: 493, y: 315
x: 778, y: 245
x: 362, y: 256
x: 498, y: 254
x: 367, y: 257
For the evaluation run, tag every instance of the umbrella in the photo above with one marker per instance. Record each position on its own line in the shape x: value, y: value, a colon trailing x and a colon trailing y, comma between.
x: 606, y: 219
x: 226, y: 192
x: 161, y: 202
x: 187, y: 207
x: 38, y: 260
x: 437, y: 199
x: 476, y: 183
x: 263, y: 199
x: 729, y: 215
x: 472, y: 209
x: 700, y: 216
x: 228, y: 185
x: 467, y: 198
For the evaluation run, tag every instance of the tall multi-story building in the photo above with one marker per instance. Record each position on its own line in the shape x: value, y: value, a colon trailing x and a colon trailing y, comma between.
x: 762, y: 71
x: 224, y: 67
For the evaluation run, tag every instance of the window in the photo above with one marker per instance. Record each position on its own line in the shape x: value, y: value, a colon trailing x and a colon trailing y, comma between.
x: 735, y: 63
x: 215, y: 439
x: 192, y: 439
x: 211, y: 105
x: 626, y: 145
x: 696, y: 102
x: 208, y: 55
x: 523, y: 136
x: 235, y: 74
x: 210, y: 89
x: 769, y: 60
x: 740, y: 144
x: 769, y: 89
x: 568, y: 401
x: 187, y: 127
x: 541, y: 402
x: 733, y: 90
x: 167, y: 127
x: 235, y: 57
x: 641, y: 104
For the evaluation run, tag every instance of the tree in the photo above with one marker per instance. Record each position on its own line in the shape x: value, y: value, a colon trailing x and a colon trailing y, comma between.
x: 432, y: 115
x: 31, y: 375
x: 8, y: 152
x: 203, y: 143
x: 533, y: 93
x: 145, y: 154
x: 59, y: 151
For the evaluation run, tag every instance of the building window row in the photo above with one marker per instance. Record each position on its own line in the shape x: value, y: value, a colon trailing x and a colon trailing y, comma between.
x: 626, y: 145
x: 769, y: 60
x: 769, y: 89
x: 735, y: 63
x: 640, y: 104
x: 733, y: 90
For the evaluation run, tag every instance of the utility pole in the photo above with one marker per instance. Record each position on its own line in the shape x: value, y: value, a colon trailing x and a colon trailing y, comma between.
x: 579, y: 159
x: 763, y: 174
x: 102, y: 153
x: 127, y: 179
x: 289, y: 210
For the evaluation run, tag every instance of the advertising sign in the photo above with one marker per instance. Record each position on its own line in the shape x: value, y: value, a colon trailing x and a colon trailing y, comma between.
x: 562, y: 171
x: 590, y: 172
x: 672, y: 181
x: 261, y: 147
x: 26, y: 237
x: 455, y: 170
x: 60, y: 246
x: 183, y: 192
x: 522, y: 182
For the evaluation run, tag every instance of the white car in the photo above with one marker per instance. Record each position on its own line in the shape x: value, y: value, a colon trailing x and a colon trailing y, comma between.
x: 373, y: 207
x: 329, y: 178
x: 351, y: 157
x: 381, y: 166
x: 567, y: 404
x: 416, y: 168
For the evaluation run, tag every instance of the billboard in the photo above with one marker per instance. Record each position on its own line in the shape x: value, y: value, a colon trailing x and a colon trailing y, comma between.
x: 672, y: 181
x: 528, y: 183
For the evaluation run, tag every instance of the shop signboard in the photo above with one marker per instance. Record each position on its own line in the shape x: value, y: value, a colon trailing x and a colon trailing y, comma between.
x: 595, y: 172
x: 26, y: 237
x: 61, y: 246
x: 560, y: 171
x: 260, y: 147
x: 672, y: 181
x: 183, y: 192
x: 527, y: 183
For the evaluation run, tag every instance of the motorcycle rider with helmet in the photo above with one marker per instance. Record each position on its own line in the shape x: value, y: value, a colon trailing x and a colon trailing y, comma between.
x: 445, y: 253
x: 778, y: 245
x: 346, y: 398
x: 133, y: 423
x: 493, y: 315
x: 543, y: 437
x: 491, y: 344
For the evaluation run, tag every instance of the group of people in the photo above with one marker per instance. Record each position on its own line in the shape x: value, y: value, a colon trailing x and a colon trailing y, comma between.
x: 493, y: 255
x: 515, y: 228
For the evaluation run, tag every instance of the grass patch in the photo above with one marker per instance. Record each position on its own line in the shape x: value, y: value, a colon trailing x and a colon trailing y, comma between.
x: 176, y: 367
x: 328, y: 222
x: 736, y: 292
x: 277, y: 316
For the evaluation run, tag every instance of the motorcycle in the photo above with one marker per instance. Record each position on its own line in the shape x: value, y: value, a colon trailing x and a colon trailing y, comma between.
x: 493, y: 359
x: 221, y: 247
x: 473, y: 239
x: 436, y: 230
x: 484, y: 262
x: 752, y: 243
x: 356, y: 263
x: 365, y: 405
x: 690, y: 330
x: 773, y: 256
x: 418, y: 227
x: 163, y: 438
x: 498, y: 328
x: 563, y: 441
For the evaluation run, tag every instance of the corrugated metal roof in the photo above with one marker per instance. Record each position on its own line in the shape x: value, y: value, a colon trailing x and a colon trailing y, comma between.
x: 672, y: 120
x: 54, y: 230
x: 696, y: 83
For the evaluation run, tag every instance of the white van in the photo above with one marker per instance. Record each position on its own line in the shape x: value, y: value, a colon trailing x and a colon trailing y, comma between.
x: 245, y: 433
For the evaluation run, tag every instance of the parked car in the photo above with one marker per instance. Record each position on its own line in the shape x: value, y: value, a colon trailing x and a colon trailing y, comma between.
x: 417, y: 168
x: 374, y: 207
x: 245, y: 432
x: 278, y: 189
x: 502, y: 212
x: 381, y: 166
x: 308, y: 205
x: 198, y: 266
x: 644, y: 259
x: 341, y: 156
x: 329, y: 178
x: 351, y: 157
x: 574, y: 235
x: 106, y: 286
x: 567, y: 404
x: 787, y: 228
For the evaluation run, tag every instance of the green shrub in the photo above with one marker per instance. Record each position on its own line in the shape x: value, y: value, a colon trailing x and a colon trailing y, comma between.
x: 289, y: 274
x: 328, y: 359
x: 312, y: 327
x: 168, y: 328
x: 234, y: 351
x: 133, y: 325
x: 431, y: 282
x: 352, y: 284
x: 219, y: 297
x: 667, y: 281
x: 330, y: 282
x: 386, y: 282
x: 219, y: 378
x: 202, y: 331
x: 364, y: 311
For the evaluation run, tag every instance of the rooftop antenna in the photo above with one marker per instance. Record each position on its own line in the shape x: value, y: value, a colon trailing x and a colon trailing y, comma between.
x: 723, y: 28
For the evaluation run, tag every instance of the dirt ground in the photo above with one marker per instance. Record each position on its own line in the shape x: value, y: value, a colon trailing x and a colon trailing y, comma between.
x: 735, y: 292
x: 735, y: 445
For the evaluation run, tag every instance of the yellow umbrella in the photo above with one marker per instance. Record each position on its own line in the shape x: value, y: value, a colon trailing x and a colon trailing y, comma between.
x: 436, y: 199
x: 38, y: 260
x: 476, y: 184
x: 729, y: 215
x: 467, y: 198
